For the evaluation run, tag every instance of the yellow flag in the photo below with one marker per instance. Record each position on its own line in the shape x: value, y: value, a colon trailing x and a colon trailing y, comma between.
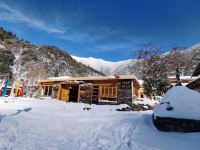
x: 17, y: 88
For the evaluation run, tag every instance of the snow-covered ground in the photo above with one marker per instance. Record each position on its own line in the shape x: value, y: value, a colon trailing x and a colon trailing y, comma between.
x: 29, y: 124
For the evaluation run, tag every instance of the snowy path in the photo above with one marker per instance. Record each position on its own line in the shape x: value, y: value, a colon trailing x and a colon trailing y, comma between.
x: 55, y: 125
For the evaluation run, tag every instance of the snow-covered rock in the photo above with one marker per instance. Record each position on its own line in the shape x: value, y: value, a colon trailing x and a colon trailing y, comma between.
x: 1, y: 46
x: 185, y: 104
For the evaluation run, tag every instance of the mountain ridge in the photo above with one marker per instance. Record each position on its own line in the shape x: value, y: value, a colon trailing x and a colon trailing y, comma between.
x: 25, y: 60
x: 127, y: 67
x: 107, y: 67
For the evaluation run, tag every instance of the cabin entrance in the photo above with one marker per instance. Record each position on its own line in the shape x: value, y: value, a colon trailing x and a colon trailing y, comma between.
x: 95, y: 95
x: 73, y: 93
x: 64, y: 93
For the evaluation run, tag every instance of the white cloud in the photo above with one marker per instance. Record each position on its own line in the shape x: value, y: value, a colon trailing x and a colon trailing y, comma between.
x: 12, y: 15
x: 114, y: 46
x: 128, y: 45
x: 79, y: 37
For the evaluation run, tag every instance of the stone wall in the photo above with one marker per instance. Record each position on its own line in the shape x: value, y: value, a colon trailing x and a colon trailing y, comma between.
x: 176, y: 124
x: 124, y: 93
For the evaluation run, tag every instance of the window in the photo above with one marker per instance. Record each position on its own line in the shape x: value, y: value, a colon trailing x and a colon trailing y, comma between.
x: 109, y: 91
x: 47, y: 90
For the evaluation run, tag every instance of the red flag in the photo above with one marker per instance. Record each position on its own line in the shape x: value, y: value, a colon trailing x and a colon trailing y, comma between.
x: 23, y: 89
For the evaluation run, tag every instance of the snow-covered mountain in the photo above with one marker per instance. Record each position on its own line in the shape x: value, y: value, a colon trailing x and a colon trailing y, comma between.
x: 107, y: 67
x: 32, y: 62
x: 127, y: 67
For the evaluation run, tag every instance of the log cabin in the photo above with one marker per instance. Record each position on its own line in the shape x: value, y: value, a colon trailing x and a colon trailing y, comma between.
x: 91, y: 89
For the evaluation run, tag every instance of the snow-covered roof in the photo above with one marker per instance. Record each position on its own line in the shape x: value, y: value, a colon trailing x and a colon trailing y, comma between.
x: 92, y: 78
x: 141, y: 82
x: 185, y: 80
x: 60, y: 78
x: 185, y: 103
x: 63, y: 78
x: 182, y: 77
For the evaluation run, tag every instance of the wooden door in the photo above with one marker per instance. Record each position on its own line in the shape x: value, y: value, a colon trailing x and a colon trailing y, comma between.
x: 64, y: 93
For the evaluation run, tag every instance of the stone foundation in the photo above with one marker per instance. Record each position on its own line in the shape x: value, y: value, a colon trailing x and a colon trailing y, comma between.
x: 168, y: 124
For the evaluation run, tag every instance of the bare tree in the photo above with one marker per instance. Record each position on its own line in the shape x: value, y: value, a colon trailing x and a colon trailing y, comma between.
x: 177, y: 61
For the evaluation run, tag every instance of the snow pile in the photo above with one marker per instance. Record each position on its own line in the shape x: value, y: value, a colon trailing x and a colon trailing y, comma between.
x: 146, y: 101
x: 141, y: 82
x: 1, y: 46
x: 184, y: 103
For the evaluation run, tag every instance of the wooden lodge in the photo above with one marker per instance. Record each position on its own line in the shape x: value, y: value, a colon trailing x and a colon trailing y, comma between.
x: 91, y: 89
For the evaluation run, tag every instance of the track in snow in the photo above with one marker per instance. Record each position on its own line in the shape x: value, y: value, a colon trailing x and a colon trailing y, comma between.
x: 55, y: 125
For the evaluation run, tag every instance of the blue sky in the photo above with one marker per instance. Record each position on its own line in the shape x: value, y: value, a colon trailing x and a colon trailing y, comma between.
x: 107, y: 29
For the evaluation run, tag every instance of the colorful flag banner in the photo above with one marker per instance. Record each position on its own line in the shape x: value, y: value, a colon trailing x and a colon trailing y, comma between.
x: 5, y: 87
x: 13, y: 86
x: 27, y: 88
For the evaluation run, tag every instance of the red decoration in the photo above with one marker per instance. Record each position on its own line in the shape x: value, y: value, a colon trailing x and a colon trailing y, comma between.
x: 117, y: 76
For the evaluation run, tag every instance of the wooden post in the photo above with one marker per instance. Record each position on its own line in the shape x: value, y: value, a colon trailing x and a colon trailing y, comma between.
x: 42, y: 92
x: 52, y: 92
x: 17, y: 88
x: 48, y: 91
x: 132, y: 91
x: 91, y: 95
x: 116, y: 90
x: 79, y: 92
x: 59, y: 92
x: 100, y: 92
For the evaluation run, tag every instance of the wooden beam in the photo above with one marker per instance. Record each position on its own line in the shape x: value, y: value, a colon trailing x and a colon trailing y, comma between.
x: 46, y: 85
